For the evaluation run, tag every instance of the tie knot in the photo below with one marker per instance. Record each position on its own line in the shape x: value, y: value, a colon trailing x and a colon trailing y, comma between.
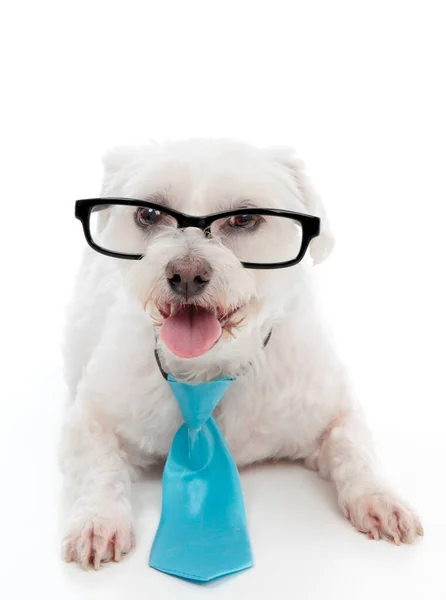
x: 197, y: 401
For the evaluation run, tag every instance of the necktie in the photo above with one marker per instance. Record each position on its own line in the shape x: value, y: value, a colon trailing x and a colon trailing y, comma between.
x: 202, y: 533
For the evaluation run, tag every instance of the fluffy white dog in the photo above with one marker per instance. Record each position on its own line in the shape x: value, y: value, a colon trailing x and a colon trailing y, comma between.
x: 208, y: 315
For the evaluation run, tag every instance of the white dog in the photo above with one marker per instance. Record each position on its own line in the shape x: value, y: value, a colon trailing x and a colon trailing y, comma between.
x: 291, y: 398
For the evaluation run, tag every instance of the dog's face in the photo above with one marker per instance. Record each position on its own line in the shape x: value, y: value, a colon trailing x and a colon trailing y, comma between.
x: 194, y: 288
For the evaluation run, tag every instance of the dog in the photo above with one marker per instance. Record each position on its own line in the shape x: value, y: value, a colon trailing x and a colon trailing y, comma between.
x: 291, y: 399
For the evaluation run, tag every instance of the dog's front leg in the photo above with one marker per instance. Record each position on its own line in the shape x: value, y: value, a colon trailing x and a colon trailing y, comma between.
x: 97, y: 476
x: 345, y: 455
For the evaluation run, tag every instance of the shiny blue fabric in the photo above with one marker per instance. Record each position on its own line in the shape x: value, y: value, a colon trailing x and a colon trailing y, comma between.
x: 203, y: 533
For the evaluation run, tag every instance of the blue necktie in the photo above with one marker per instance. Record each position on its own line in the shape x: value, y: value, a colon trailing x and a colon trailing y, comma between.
x: 202, y: 533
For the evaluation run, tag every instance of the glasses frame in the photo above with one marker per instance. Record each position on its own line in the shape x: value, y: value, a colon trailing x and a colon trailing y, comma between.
x: 310, y: 225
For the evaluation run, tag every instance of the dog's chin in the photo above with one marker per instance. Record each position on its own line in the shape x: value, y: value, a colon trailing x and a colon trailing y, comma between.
x: 190, y: 330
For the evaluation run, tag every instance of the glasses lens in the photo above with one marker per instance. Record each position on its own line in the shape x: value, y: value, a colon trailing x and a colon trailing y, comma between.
x: 259, y: 238
x: 127, y: 229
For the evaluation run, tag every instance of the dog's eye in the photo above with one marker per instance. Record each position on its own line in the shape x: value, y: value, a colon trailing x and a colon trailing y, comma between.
x: 147, y: 216
x: 244, y: 221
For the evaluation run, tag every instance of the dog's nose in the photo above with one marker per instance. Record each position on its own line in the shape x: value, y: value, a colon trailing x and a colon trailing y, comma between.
x: 188, y: 277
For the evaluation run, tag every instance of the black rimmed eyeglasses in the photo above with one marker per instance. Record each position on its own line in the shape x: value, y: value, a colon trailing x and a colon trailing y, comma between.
x: 260, y: 238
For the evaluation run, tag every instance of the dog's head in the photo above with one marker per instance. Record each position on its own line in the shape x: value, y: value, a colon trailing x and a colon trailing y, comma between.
x: 201, y: 300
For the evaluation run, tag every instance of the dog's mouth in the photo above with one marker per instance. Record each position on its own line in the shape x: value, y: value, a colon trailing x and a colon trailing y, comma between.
x: 190, y: 331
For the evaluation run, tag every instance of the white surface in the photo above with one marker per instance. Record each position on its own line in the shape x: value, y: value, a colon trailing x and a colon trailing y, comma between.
x: 360, y: 92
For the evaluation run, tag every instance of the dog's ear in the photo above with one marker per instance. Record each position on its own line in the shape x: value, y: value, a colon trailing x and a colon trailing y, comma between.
x: 114, y: 162
x: 320, y: 247
x: 114, y: 177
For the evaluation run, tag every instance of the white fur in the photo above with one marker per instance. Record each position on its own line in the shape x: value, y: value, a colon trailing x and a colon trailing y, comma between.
x: 291, y: 399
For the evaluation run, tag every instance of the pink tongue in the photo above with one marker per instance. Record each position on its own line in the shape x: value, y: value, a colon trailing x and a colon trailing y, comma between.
x: 190, y: 332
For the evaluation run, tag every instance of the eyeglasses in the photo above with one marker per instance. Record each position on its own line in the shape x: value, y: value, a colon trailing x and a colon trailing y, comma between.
x: 261, y: 238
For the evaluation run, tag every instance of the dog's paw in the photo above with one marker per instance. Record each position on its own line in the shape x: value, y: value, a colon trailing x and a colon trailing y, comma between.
x: 91, y: 540
x: 381, y: 515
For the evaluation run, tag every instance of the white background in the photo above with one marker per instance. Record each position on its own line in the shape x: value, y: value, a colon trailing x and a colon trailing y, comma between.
x: 358, y: 88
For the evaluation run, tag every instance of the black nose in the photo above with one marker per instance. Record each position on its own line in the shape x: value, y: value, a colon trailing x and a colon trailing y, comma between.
x: 188, y: 278
x: 187, y: 287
